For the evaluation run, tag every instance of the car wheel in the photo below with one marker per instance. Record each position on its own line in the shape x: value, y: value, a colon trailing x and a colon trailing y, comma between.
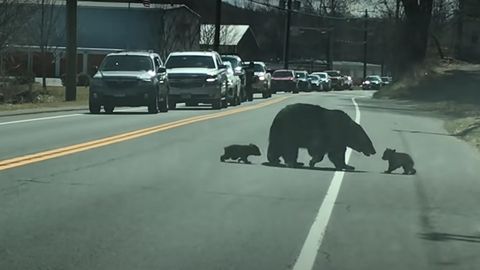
x: 93, y: 108
x: 108, y: 108
x: 163, y: 105
x: 217, y: 104
x: 153, y: 107
x: 172, y: 105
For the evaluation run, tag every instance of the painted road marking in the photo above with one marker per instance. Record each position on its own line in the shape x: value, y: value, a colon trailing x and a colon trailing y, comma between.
x: 54, y: 117
x: 63, y: 151
x: 311, y: 246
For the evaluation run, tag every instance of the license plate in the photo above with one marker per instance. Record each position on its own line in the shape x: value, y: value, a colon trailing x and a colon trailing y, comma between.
x: 186, y: 96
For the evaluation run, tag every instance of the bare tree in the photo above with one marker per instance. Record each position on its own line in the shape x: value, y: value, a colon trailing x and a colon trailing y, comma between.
x: 46, y: 31
x: 13, y: 17
x: 177, y: 31
x: 227, y: 34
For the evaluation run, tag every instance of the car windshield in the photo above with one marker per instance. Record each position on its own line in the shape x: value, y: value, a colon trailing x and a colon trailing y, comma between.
x: 373, y: 78
x: 259, y: 68
x: 190, y: 61
x: 300, y: 75
x: 127, y: 63
x: 322, y: 75
x: 282, y: 74
x: 333, y: 73
x: 233, y: 60
x: 313, y: 77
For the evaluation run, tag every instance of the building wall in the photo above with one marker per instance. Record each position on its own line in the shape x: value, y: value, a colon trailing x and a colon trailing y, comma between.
x: 101, y: 30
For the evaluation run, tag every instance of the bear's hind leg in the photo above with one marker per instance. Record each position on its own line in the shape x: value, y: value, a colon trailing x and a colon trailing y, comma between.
x: 338, y: 159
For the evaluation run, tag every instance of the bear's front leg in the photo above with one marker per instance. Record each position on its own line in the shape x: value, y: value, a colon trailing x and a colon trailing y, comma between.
x: 290, y: 156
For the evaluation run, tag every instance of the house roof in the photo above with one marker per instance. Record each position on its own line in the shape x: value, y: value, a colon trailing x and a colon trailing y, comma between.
x: 230, y: 34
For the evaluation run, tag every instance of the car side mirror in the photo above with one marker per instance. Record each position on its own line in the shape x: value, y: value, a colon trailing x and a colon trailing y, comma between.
x: 161, y: 70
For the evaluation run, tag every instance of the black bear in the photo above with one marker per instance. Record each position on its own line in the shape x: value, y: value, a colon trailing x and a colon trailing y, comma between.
x: 240, y: 152
x: 397, y: 160
x: 320, y: 131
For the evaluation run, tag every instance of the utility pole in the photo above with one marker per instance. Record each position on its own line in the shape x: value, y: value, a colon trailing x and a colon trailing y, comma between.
x: 365, y: 35
x: 329, y: 48
x: 218, y: 20
x: 286, y: 51
x: 71, y: 78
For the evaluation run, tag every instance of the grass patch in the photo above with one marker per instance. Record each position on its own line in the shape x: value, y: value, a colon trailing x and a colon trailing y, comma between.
x: 448, y: 88
x: 53, y: 97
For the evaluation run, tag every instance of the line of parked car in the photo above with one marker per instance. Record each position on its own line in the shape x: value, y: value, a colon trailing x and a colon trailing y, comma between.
x: 141, y: 79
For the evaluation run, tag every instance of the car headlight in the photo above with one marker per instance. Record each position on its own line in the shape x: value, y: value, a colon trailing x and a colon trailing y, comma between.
x: 366, y: 82
x: 212, y: 79
x: 261, y: 78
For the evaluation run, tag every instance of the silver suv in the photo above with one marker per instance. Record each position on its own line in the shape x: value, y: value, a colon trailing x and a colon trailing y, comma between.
x: 197, y: 77
x: 130, y: 79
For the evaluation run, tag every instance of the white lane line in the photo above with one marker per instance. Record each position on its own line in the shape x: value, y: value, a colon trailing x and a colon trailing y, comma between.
x: 39, y: 119
x: 55, y: 117
x: 306, y: 259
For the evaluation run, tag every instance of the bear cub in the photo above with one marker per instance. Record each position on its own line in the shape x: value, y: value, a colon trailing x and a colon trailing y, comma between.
x: 397, y: 160
x: 240, y: 152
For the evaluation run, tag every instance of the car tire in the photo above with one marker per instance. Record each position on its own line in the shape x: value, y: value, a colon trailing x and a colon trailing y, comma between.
x: 153, y: 107
x: 217, y: 104
x: 94, y: 108
x: 108, y: 108
x: 163, y: 105
x: 172, y: 105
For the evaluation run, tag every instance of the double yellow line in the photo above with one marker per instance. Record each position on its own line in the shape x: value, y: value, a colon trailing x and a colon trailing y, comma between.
x: 76, y: 148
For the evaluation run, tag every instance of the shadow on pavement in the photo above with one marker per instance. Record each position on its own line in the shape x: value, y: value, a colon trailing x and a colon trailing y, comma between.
x: 118, y: 113
x: 328, y: 169
x: 421, y: 132
x: 435, y: 236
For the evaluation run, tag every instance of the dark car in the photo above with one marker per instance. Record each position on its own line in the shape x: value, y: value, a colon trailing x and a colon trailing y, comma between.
x: 337, y: 80
x: 303, y: 82
x: 129, y: 79
x: 284, y: 80
x: 372, y: 82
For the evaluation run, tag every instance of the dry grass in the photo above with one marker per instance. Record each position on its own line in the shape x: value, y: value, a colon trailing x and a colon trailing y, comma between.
x: 53, y: 97
x: 448, y: 88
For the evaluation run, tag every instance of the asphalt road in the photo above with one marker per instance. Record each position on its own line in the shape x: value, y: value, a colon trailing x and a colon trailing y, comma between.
x: 161, y: 199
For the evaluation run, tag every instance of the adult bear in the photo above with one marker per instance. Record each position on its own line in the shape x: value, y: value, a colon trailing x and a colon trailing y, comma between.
x: 320, y: 131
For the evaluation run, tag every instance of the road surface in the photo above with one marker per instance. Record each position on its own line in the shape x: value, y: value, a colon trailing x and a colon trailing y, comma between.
x: 138, y: 191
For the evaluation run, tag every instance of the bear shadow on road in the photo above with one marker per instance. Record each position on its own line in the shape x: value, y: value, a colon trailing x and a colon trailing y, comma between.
x: 327, y: 169
x: 121, y: 113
